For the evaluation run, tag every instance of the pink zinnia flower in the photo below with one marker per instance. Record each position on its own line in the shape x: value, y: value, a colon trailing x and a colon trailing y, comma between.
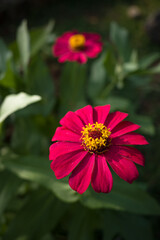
x: 74, y: 46
x: 90, y: 139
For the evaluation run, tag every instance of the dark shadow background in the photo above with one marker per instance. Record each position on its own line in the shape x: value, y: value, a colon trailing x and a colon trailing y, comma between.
x: 84, y: 15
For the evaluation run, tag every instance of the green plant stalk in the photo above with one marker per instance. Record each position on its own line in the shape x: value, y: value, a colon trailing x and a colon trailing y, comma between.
x: 0, y: 134
x: 72, y: 85
x: 109, y: 88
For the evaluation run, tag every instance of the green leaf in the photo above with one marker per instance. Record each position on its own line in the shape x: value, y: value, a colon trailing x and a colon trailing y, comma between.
x: 39, y: 37
x: 119, y: 37
x: 154, y: 70
x: 40, y: 82
x: 123, y: 197
x: 148, y: 60
x: 81, y: 227
x: 97, y: 78
x: 29, y: 138
x: 37, y: 169
x: 134, y: 57
x: 145, y: 122
x: 110, y: 63
x: 15, y: 51
x: 130, y: 67
x: 9, y: 184
x: 38, y: 216
x: 128, y: 226
x: 140, y: 80
x: 14, y: 102
x: 23, y: 41
x: 5, y: 55
x: 72, y: 87
x: 8, y: 79
x: 117, y: 103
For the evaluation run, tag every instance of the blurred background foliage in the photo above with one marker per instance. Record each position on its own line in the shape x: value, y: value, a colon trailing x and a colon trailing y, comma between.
x: 36, y: 91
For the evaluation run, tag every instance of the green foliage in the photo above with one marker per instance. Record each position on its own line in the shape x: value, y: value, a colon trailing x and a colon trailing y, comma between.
x: 37, y: 169
x: 82, y: 225
x: 39, y: 37
x: 14, y: 102
x: 9, y: 185
x: 127, y: 226
x: 33, y: 203
x: 97, y: 78
x: 5, y: 55
x: 120, y: 38
x: 123, y: 197
x: 6, y: 69
x: 47, y: 212
x: 23, y: 42
x: 40, y: 82
x: 72, y: 88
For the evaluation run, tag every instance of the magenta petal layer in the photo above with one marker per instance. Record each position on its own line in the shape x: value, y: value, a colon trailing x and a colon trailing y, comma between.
x: 102, y: 180
x: 129, y: 153
x: 64, y: 164
x: 64, y: 57
x: 72, y: 122
x: 101, y: 113
x: 60, y: 148
x: 85, y: 114
x: 123, y: 167
x: 114, y: 118
x: 91, y: 36
x: 65, y: 135
x: 130, y: 139
x: 81, y: 176
x: 123, y: 128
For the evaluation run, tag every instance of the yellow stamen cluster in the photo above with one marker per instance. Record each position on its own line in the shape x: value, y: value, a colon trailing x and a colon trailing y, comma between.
x: 77, y: 41
x: 95, y: 137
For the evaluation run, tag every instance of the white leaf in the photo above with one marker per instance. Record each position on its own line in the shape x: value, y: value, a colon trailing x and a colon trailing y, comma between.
x: 14, y: 102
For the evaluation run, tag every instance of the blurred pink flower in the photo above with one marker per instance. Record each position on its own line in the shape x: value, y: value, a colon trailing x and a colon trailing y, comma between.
x: 90, y: 139
x: 74, y: 46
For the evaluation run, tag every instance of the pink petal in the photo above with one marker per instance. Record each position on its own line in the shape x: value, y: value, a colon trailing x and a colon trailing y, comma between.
x: 101, y: 113
x: 81, y: 175
x: 60, y: 148
x: 64, y: 57
x: 65, y: 135
x: 72, y: 122
x: 86, y: 114
x: 123, y: 167
x: 67, y: 35
x: 114, y: 118
x: 82, y: 58
x: 94, y: 52
x: 102, y: 180
x: 130, y: 139
x: 92, y: 36
x: 64, y: 38
x: 129, y: 153
x: 124, y: 127
x: 60, y: 49
x: 92, y: 49
x: 64, y: 164
x: 73, y: 56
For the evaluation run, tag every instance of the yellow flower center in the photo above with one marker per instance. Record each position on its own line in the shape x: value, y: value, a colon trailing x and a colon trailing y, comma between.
x: 95, y: 137
x: 77, y: 42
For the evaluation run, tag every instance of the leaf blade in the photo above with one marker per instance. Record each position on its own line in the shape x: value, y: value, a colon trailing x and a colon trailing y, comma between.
x: 15, y: 102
